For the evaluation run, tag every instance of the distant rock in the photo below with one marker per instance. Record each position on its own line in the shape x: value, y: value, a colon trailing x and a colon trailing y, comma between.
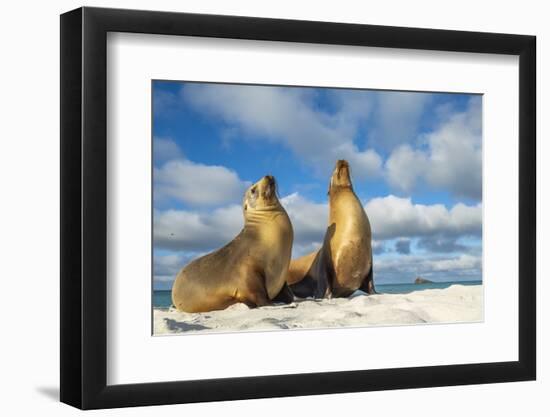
x: 420, y: 280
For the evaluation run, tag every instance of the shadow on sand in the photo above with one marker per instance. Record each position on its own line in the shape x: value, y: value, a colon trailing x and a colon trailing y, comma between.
x: 178, y: 326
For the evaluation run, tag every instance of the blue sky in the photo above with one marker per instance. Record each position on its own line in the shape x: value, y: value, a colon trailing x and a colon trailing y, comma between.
x: 415, y: 159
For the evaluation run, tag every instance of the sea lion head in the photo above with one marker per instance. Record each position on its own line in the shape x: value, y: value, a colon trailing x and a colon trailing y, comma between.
x: 261, y: 195
x: 340, y: 176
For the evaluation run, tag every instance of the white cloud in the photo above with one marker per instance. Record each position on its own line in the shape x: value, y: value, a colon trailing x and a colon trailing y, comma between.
x: 455, y: 157
x: 161, y: 279
x: 187, y: 230
x: 190, y: 230
x: 169, y: 265
x: 462, y: 263
x: 404, y: 166
x: 451, y: 160
x: 444, y: 244
x: 412, y: 265
x: 165, y: 149
x: 378, y: 247
x: 397, y: 117
x: 286, y: 115
x: 390, y: 217
x: 164, y: 102
x: 309, y: 219
x: 300, y: 249
x: 353, y: 106
x: 166, y: 267
x: 393, y: 217
x: 197, y: 184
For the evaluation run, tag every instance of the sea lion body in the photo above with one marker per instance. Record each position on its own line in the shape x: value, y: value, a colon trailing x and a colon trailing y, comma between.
x: 344, y: 262
x: 251, y: 268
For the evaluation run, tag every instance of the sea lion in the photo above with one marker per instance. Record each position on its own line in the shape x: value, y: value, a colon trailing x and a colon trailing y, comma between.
x: 344, y: 262
x: 250, y: 269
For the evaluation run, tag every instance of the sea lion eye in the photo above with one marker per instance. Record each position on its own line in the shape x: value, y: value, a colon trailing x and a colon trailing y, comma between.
x: 253, y: 190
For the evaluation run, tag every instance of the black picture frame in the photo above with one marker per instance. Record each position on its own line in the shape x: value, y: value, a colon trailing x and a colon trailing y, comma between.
x: 84, y: 207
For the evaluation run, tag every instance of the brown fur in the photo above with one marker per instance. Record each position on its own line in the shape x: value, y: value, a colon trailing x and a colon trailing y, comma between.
x: 344, y: 263
x: 251, y: 268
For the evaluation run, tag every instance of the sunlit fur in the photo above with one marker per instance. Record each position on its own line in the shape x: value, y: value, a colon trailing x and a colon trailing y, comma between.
x: 251, y: 268
x: 344, y: 262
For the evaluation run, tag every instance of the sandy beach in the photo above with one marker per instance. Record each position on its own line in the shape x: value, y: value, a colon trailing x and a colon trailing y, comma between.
x: 458, y: 303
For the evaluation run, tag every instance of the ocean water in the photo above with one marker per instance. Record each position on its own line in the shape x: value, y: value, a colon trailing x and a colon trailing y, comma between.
x: 407, y: 288
x: 163, y: 298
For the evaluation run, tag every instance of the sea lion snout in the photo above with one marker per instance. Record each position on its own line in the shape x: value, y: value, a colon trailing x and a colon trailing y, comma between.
x: 341, y: 175
x: 342, y: 163
x: 262, y: 195
x: 270, y: 187
x: 266, y: 187
x: 342, y: 168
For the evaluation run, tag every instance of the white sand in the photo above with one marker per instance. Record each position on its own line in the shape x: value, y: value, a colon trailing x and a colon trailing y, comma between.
x: 458, y: 303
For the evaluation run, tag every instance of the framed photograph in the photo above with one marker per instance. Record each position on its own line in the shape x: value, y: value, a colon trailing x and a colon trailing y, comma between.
x: 259, y: 208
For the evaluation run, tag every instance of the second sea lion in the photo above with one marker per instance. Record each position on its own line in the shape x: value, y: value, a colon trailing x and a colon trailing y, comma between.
x: 344, y: 262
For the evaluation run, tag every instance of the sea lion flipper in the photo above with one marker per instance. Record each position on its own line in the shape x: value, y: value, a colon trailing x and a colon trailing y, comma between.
x: 368, y: 283
x: 285, y: 296
x: 323, y: 288
x: 304, y: 288
x: 257, y: 293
